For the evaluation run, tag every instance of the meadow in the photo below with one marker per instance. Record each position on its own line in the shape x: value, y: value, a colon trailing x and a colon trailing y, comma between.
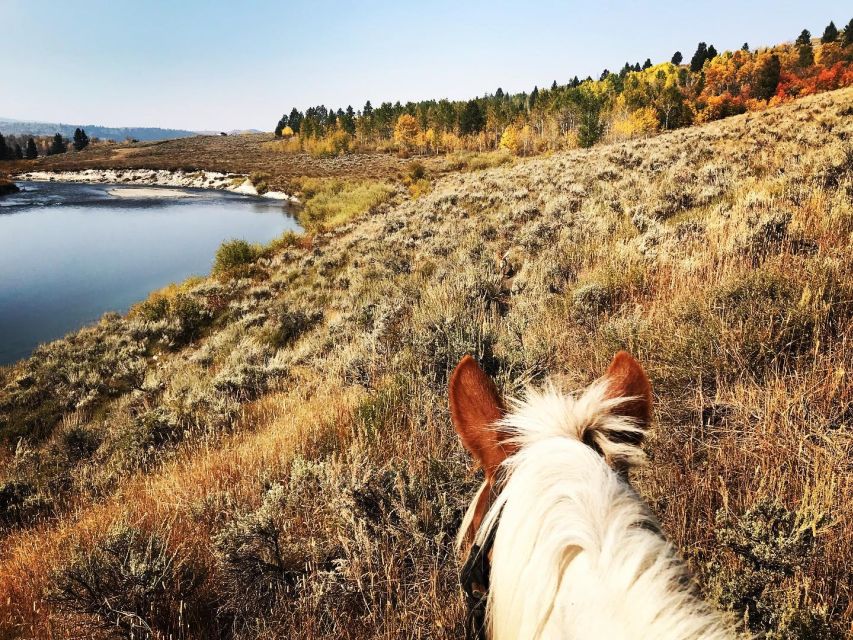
x: 267, y: 452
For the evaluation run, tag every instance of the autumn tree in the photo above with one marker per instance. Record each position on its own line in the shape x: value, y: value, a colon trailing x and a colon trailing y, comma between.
x: 509, y: 139
x: 31, y: 152
x: 830, y: 34
x: 406, y: 131
x: 677, y: 58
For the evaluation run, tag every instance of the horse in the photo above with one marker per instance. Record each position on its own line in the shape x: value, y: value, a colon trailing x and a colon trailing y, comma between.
x: 558, y: 544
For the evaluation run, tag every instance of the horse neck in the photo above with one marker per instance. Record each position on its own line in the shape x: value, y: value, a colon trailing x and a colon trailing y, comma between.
x: 578, y: 555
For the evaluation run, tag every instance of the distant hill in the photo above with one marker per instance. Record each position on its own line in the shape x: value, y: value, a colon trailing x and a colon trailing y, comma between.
x: 147, y: 134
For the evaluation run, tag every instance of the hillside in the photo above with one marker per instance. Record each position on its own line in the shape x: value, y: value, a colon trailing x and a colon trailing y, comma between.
x: 118, y: 134
x: 268, y: 452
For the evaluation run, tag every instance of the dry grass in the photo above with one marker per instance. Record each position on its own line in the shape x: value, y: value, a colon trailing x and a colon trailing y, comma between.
x: 242, y: 153
x: 283, y: 431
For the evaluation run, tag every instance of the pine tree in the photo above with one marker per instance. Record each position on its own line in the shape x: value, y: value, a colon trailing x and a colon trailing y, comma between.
x: 471, y: 119
x: 349, y: 120
x: 32, y: 152
x: 4, y: 150
x: 554, y: 86
x: 19, y: 153
x: 677, y: 58
x: 647, y: 64
x: 698, y: 59
x: 81, y: 140
x: 804, y: 49
x: 847, y: 40
x: 712, y: 53
x: 767, y: 77
x: 830, y: 34
x: 279, y: 127
x: 294, y: 120
x: 604, y: 74
x: 534, y: 96
x: 499, y: 94
x: 57, y: 145
x: 745, y: 47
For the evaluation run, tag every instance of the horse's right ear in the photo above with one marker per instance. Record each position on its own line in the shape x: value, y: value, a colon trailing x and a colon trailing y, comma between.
x: 475, y: 407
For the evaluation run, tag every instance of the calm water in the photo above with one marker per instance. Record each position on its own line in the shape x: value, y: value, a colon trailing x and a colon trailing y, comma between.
x: 69, y: 253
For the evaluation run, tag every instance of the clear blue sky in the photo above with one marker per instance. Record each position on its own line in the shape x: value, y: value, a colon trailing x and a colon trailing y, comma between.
x: 220, y: 64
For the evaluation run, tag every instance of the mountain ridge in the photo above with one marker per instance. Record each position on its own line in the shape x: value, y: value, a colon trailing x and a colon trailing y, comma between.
x: 12, y: 126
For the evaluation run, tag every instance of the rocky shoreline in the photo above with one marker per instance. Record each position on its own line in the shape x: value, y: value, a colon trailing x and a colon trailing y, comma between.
x: 232, y: 182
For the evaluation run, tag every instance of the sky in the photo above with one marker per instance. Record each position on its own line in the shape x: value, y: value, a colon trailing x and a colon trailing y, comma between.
x: 238, y: 64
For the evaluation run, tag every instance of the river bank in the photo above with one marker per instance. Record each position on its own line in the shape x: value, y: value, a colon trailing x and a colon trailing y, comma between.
x: 233, y: 182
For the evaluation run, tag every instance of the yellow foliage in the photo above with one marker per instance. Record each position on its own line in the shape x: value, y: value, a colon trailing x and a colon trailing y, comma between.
x: 451, y: 142
x: 287, y: 132
x: 431, y: 139
x: 641, y: 122
x: 525, y: 140
x: 509, y: 139
x: 333, y: 144
x: 285, y: 145
x: 829, y: 53
x: 406, y: 131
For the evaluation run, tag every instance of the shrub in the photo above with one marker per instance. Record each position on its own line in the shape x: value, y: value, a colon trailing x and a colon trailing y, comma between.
x: 178, y: 318
x: 331, y: 202
x: 770, y: 544
x: 129, y: 583
x: 20, y: 503
x: 263, y: 554
x: 247, y: 371
x: 286, y: 325
x: 259, y: 180
x: 233, y: 255
x: 763, y: 324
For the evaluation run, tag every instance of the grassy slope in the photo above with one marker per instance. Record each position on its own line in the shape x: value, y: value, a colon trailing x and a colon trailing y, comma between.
x: 284, y: 433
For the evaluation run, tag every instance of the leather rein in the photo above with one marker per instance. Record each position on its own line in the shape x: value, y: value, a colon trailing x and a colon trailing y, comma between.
x: 475, y: 577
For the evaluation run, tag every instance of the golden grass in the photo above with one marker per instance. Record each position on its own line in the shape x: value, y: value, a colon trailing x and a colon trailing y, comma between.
x: 330, y: 202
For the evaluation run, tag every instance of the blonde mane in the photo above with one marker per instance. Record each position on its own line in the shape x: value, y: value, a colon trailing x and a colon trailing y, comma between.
x: 576, y: 552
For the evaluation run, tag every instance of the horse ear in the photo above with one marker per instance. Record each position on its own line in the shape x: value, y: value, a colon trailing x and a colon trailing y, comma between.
x: 475, y: 407
x: 626, y: 379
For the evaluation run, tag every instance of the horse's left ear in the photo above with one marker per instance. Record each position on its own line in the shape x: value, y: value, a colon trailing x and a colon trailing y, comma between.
x: 626, y: 379
x: 475, y: 407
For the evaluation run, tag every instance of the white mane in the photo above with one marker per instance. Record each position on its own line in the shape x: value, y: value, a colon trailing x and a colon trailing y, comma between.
x: 576, y: 553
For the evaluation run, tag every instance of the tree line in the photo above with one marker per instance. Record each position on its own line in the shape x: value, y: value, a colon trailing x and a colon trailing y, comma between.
x: 31, y: 147
x: 639, y: 99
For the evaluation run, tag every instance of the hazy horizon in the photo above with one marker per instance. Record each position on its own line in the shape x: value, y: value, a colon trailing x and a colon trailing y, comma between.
x: 187, y: 66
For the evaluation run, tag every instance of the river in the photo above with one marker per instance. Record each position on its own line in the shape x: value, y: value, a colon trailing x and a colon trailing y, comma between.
x: 71, y: 252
